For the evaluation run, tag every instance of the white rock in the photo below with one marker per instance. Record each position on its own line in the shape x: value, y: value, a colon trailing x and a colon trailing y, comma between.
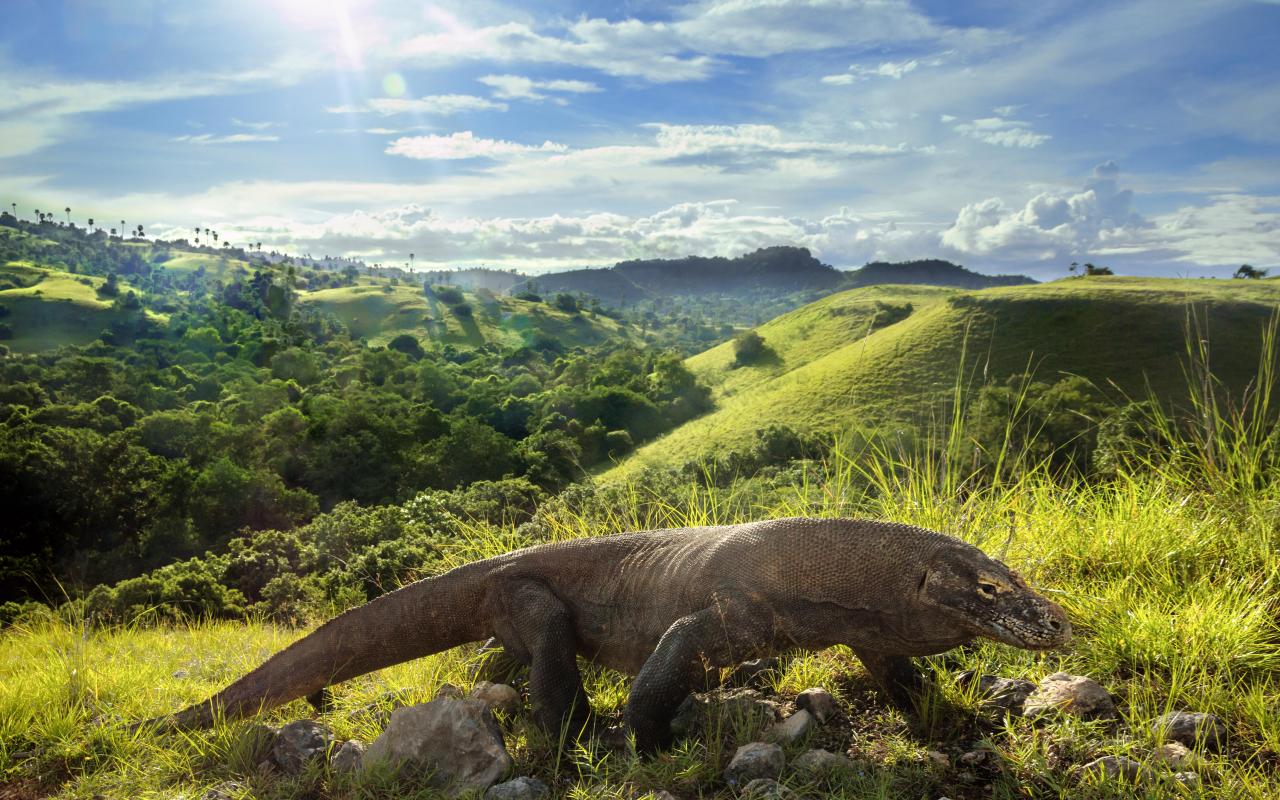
x: 498, y: 697
x: 1070, y: 694
x: 818, y: 702
x: 347, y: 756
x: 457, y: 740
x: 754, y: 760
x: 792, y: 729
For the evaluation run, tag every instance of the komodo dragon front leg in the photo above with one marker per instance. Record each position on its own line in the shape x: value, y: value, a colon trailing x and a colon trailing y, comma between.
x: 896, y: 675
x: 725, y: 633
x: 536, y: 628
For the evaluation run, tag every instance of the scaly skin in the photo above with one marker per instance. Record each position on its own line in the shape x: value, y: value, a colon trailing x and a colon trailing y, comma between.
x: 666, y: 605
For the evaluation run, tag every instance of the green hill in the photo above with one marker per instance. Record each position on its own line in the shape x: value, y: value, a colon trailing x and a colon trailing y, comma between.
x: 824, y: 370
x: 48, y: 308
x: 934, y: 272
x: 381, y: 312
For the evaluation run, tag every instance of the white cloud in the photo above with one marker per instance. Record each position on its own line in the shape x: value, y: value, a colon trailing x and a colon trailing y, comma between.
x: 1002, y: 132
x: 519, y: 87
x: 442, y: 105
x: 886, y: 69
x: 233, y: 138
x: 255, y: 126
x: 1229, y: 229
x: 464, y: 144
x: 1051, y: 225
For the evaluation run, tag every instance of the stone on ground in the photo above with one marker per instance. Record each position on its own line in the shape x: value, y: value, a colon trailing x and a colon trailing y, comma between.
x: 227, y: 790
x: 1075, y: 695
x: 1192, y: 728
x: 766, y: 789
x: 498, y: 697
x: 818, y: 702
x: 299, y: 743
x: 790, y: 730
x: 458, y: 741
x: 998, y: 694
x: 755, y: 760
x: 347, y: 756
x: 819, y: 763
x: 519, y: 789
x: 1115, y: 767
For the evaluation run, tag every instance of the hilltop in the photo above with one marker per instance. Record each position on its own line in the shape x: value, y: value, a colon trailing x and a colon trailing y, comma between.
x: 934, y: 272
x: 868, y: 357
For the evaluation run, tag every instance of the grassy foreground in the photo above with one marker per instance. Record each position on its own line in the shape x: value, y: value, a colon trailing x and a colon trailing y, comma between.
x: 1170, y: 573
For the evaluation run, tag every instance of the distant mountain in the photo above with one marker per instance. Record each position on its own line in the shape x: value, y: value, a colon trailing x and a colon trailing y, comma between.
x: 610, y: 286
x: 934, y: 272
x: 495, y: 280
x: 769, y: 272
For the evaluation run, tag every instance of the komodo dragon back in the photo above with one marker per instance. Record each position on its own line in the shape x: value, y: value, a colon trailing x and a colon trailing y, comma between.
x: 665, y: 605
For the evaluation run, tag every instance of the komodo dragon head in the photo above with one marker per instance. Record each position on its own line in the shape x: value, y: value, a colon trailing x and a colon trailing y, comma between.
x: 988, y: 599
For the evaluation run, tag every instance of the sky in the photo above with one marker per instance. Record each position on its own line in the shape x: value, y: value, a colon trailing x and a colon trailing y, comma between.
x: 1006, y: 136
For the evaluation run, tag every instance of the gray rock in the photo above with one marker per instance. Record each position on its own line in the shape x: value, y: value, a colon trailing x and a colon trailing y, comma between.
x: 1075, y: 695
x: 458, y: 741
x: 766, y: 789
x: 819, y: 703
x: 754, y: 673
x: 792, y: 729
x: 1192, y: 728
x: 1188, y: 779
x: 1176, y: 756
x: 498, y: 697
x: 448, y: 690
x: 518, y: 789
x: 227, y: 790
x: 999, y: 694
x: 939, y: 759
x: 1115, y: 768
x: 299, y: 743
x: 820, y: 763
x: 347, y: 756
x: 745, y: 704
x: 755, y: 760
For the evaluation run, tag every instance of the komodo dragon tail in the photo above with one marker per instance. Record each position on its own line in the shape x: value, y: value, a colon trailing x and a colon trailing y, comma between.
x: 425, y: 617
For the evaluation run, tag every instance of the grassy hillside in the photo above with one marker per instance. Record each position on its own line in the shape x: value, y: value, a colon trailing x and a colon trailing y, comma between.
x: 1121, y: 333
x: 1171, y: 586
x: 382, y: 312
x: 49, y: 308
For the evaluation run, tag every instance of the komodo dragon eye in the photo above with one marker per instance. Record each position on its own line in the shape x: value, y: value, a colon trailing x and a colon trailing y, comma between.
x: 987, y: 589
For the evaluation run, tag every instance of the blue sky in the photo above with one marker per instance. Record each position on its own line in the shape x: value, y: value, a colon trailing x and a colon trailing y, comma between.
x: 1005, y: 136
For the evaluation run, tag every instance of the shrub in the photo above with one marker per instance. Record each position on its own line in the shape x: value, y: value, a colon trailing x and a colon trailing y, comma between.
x: 748, y: 347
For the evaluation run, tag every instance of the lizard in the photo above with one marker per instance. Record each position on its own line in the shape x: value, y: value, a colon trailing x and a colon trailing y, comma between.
x: 667, y: 606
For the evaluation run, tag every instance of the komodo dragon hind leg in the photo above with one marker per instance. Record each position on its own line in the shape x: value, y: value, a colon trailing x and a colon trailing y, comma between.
x: 896, y: 675
x: 537, y: 629
x: 722, y: 634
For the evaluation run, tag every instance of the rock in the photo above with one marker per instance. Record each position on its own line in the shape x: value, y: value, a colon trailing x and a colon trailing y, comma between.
x: 1192, y: 728
x: 458, y: 740
x: 1176, y: 755
x: 227, y: 790
x: 298, y: 743
x: 755, y: 760
x: 819, y: 703
x: 498, y: 697
x: 754, y: 673
x: 821, y: 763
x: 180, y: 674
x: 449, y: 691
x: 1113, y: 768
x: 659, y: 795
x: 975, y: 758
x: 999, y: 694
x: 1188, y: 779
x: 688, y: 715
x: 518, y: 789
x: 792, y: 729
x: 347, y: 756
x: 766, y: 789
x: 1070, y: 694
x: 744, y: 704
x: 938, y: 759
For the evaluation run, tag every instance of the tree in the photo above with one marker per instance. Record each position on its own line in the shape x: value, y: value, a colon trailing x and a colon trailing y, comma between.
x: 748, y: 346
x: 1090, y: 269
x: 68, y: 210
x: 1248, y: 271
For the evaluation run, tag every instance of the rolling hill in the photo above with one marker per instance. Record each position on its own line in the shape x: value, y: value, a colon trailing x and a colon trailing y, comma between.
x: 48, y: 308
x: 830, y: 366
x: 934, y: 272
x: 381, y: 312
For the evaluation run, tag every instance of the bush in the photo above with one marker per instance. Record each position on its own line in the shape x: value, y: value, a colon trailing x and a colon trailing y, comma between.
x: 748, y: 347
x: 567, y: 303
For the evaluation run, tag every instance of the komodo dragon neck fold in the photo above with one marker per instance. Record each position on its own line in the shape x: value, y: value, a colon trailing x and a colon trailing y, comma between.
x: 663, y: 605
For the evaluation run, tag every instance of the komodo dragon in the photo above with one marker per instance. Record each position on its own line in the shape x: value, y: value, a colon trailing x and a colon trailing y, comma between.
x: 666, y: 605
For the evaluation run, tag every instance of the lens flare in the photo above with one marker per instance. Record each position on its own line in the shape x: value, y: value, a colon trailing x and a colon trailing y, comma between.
x: 393, y: 84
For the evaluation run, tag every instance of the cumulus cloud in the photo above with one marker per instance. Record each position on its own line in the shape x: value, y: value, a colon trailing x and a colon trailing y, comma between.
x: 437, y: 104
x: 1002, y: 132
x: 1051, y: 225
x: 233, y: 138
x: 886, y: 69
x: 464, y: 144
x: 519, y: 87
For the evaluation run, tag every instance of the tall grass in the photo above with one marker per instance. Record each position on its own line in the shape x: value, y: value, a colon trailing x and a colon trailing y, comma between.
x: 1170, y: 571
